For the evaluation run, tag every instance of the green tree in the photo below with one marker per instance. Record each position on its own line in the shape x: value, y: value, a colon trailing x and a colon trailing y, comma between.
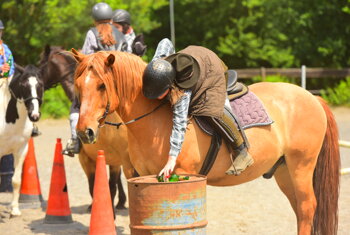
x: 31, y: 24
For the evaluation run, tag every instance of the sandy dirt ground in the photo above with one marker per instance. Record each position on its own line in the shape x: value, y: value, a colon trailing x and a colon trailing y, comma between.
x: 257, y: 207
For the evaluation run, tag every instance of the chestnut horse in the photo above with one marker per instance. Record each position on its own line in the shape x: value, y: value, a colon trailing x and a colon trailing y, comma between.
x: 57, y: 66
x: 304, y: 132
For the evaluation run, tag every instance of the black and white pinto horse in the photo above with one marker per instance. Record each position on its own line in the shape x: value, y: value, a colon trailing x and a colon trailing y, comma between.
x: 20, y: 100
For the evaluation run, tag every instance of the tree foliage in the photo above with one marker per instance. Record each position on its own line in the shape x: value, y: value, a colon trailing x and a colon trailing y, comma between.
x: 31, y: 24
x: 244, y: 33
x: 269, y: 33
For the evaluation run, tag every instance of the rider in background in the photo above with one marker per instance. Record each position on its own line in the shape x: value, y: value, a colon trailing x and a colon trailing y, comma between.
x: 103, y: 37
x: 122, y: 21
x: 7, y: 69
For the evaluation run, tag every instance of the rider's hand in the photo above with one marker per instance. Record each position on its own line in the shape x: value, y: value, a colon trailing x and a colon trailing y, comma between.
x: 5, y: 68
x: 169, y: 167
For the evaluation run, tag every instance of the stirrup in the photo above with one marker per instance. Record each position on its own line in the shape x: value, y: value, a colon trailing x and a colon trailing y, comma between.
x: 241, y: 162
x: 35, y: 131
x: 73, y: 147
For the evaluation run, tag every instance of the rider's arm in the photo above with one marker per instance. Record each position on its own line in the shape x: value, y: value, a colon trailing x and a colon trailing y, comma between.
x: 90, y: 44
x: 8, y: 55
x: 165, y: 48
x: 180, y: 111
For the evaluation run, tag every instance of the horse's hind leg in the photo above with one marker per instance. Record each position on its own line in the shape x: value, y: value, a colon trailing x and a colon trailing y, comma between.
x: 301, y: 167
x: 121, y: 193
x: 114, y: 180
x: 284, y: 182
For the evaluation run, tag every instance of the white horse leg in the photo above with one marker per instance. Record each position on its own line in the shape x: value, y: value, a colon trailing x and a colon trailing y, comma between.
x: 16, y: 180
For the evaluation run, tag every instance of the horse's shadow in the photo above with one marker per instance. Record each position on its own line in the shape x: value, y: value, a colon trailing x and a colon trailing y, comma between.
x: 84, y: 209
x: 39, y: 227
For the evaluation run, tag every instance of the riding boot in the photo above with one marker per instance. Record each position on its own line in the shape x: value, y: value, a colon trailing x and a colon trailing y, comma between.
x: 73, y: 147
x: 35, y: 131
x: 6, y: 172
x: 6, y: 183
x: 241, y: 162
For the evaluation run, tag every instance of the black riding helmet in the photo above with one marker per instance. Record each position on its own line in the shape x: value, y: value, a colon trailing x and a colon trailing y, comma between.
x: 158, y: 76
x: 102, y: 11
x: 121, y: 16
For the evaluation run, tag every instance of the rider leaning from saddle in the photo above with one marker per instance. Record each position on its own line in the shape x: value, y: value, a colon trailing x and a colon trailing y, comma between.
x: 194, y: 82
x: 7, y: 69
x: 103, y: 37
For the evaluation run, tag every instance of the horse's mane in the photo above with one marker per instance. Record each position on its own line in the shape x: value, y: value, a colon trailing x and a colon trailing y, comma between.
x: 125, y: 76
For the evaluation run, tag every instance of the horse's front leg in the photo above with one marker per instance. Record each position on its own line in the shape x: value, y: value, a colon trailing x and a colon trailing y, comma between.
x: 19, y: 157
x: 89, y: 167
x: 121, y: 192
x: 114, y: 177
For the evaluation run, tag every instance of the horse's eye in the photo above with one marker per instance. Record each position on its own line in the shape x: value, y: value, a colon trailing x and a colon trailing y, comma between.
x: 102, y: 87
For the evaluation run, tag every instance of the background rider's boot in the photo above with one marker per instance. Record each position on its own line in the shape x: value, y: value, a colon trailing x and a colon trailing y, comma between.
x: 35, y: 131
x: 6, y: 172
x: 6, y: 183
x: 241, y: 162
x: 73, y: 147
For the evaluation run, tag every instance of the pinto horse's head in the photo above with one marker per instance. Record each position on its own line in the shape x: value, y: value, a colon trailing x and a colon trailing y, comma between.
x: 28, y: 87
x: 104, y: 83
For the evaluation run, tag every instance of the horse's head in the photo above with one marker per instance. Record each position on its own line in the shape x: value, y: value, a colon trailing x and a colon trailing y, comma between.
x: 57, y: 66
x: 104, y: 82
x: 28, y: 87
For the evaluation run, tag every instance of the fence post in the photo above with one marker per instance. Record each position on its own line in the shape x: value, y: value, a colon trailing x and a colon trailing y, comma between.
x: 263, y: 74
x: 303, y: 76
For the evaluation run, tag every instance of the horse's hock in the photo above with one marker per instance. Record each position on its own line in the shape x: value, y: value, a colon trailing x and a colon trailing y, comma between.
x: 167, y: 207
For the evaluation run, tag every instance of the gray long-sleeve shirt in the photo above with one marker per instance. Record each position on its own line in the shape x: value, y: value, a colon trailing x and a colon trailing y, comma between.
x: 90, y: 44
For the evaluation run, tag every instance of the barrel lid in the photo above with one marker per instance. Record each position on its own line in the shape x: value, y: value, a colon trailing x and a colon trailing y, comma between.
x: 152, y: 179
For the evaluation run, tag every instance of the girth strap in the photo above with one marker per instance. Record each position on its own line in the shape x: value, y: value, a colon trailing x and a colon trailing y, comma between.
x: 212, y: 154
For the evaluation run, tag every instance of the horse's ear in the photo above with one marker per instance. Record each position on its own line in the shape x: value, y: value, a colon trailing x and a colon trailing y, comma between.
x: 19, y: 68
x: 110, y: 60
x: 77, y: 55
x: 47, y: 50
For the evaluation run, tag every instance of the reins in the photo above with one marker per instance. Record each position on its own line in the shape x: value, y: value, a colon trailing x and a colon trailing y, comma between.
x: 118, y: 124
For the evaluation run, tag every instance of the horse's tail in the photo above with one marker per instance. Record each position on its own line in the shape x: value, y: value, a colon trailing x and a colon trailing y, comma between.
x: 326, y: 179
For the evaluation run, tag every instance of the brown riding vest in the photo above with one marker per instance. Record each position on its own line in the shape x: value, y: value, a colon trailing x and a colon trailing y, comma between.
x: 209, y: 93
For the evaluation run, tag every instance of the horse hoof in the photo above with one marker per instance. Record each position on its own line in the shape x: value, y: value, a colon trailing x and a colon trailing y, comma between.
x: 15, y: 213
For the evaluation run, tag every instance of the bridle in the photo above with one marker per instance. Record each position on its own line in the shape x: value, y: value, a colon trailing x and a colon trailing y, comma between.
x: 68, y: 67
x: 118, y: 124
x: 25, y: 100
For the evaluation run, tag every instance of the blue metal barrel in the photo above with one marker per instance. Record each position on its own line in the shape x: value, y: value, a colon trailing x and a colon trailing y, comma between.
x: 167, y: 208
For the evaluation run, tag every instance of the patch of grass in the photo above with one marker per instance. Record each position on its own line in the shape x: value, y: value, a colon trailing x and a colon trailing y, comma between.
x: 55, y: 103
x: 339, y: 95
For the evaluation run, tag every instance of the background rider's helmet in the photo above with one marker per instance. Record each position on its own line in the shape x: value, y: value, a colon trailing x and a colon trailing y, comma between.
x: 121, y: 16
x: 102, y: 11
x: 1, y: 25
x: 158, y: 76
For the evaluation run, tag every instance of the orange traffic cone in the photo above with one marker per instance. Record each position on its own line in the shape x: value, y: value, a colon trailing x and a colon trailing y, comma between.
x: 102, y: 218
x: 30, y: 193
x: 58, y: 211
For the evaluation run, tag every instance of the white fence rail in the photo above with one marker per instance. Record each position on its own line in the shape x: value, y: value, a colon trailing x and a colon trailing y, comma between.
x: 345, y: 144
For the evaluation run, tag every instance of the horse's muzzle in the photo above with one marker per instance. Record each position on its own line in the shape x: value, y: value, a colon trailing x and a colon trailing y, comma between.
x: 88, y: 136
x: 34, y: 117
